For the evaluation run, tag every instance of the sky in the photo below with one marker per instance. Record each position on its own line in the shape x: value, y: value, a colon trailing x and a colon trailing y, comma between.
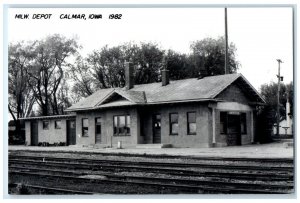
x: 261, y: 35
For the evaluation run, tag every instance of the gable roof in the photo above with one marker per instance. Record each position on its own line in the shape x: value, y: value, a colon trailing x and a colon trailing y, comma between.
x: 132, y: 96
x: 192, y: 89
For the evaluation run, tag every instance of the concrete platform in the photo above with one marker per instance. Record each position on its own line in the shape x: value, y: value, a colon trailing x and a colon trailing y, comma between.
x: 272, y: 150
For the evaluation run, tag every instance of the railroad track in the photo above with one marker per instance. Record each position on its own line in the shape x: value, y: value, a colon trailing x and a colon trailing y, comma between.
x: 204, y: 179
x: 147, y: 163
x: 189, y: 186
x: 159, y: 156
x: 175, y: 172
x: 223, y: 180
x: 207, y: 172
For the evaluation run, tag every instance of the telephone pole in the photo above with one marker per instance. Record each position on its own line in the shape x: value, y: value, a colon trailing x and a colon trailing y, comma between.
x: 278, y: 95
x: 226, y: 43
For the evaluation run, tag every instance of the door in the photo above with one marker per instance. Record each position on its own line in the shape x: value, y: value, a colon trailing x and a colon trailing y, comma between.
x: 34, y: 133
x: 98, y: 129
x: 234, y: 130
x: 156, y: 120
x: 71, y: 132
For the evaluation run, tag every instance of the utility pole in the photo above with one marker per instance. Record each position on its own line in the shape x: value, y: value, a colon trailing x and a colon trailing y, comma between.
x: 278, y: 95
x: 287, y: 110
x: 226, y: 43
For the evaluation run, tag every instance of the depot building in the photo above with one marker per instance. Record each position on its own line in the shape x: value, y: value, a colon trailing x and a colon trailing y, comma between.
x: 212, y: 111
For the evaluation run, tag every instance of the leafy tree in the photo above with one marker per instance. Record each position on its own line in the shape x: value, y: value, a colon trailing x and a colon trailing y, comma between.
x: 84, y: 84
x: 63, y: 98
x: 108, y: 64
x: 209, y: 56
x: 46, y: 70
x: 104, y: 68
x: 269, y: 93
x: 43, y: 73
x: 148, y: 58
x: 20, y: 99
x: 180, y: 66
x: 267, y: 115
x: 20, y: 96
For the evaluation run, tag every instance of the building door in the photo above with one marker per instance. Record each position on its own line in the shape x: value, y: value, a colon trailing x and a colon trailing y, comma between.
x: 71, y: 132
x: 156, y: 120
x: 233, y: 130
x: 34, y: 133
x: 98, y: 129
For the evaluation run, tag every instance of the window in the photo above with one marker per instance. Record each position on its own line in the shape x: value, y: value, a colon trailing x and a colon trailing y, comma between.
x: 243, y: 123
x: 57, y: 124
x: 128, y: 124
x: 223, y: 122
x: 45, y: 125
x: 157, y: 121
x: 72, y: 124
x: 191, y: 123
x: 173, y: 123
x: 98, y: 125
x: 122, y: 125
x: 85, y: 127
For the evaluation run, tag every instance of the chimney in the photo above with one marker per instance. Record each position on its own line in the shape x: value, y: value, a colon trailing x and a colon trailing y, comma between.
x: 164, y: 72
x: 129, y: 79
x: 165, y: 77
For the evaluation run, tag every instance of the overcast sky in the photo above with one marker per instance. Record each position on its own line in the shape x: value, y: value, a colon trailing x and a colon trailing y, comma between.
x: 261, y: 35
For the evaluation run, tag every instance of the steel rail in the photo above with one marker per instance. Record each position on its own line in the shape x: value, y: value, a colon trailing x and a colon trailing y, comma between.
x: 143, y: 163
x: 158, y: 156
x: 182, y: 187
x: 232, y: 175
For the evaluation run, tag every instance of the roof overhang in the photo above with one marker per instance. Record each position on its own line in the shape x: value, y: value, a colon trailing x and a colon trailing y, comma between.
x: 146, y: 104
x: 49, y: 117
x: 246, y: 87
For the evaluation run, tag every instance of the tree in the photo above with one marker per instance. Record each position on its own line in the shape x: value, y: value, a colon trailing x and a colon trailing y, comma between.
x: 84, y: 84
x: 269, y: 93
x: 209, y: 56
x: 108, y: 64
x: 46, y: 70
x: 21, y: 99
x: 267, y: 114
x: 105, y: 68
x: 148, y: 60
x: 180, y: 66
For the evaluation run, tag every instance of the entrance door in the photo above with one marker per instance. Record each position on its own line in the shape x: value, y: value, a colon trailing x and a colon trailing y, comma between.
x: 98, y: 130
x: 234, y: 130
x: 71, y: 132
x: 156, y: 120
x: 34, y: 133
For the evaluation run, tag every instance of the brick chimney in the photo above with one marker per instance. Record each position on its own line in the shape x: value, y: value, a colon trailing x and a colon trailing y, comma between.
x: 129, y: 79
x: 165, y: 77
x: 164, y: 72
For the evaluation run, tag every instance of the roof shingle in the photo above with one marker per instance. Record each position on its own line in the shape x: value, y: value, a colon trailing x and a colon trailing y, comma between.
x: 179, y: 90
